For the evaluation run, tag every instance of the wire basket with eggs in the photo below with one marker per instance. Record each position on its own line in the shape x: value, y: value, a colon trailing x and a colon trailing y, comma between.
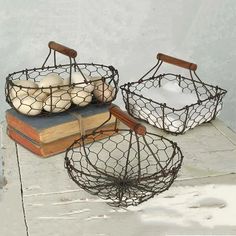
x: 53, y: 89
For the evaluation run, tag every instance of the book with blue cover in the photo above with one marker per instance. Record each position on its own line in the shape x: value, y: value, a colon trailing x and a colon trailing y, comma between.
x: 46, y: 129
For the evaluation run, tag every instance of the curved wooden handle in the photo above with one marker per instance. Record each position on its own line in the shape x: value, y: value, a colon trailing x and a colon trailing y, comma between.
x: 176, y: 61
x: 62, y: 49
x: 127, y: 120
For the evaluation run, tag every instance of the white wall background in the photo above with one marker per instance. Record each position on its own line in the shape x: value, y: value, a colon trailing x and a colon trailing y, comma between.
x: 126, y: 34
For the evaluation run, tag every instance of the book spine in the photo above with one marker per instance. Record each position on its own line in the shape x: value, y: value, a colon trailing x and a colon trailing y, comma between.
x: 22, y: 127
x: 25, y: 143
x: 49, y: 149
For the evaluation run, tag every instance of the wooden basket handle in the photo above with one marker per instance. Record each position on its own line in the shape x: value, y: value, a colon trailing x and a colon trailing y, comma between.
x: 127, y: 120
x: 176, y: 61
x: 62, y: 49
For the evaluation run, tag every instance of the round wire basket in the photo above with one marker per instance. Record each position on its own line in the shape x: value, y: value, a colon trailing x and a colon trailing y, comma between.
x: 53, y: 89
x: 172, y: 102
x: 125, y: 168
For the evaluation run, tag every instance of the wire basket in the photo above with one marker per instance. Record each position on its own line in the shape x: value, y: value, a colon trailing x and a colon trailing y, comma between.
x: 126, y: 168
x: 52, y: 89
x: 180, y: 103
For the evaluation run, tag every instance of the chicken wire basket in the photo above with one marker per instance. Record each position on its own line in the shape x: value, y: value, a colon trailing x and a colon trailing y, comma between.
x: 172, y: 102
x: 126, y: 168
x: 53, y: 89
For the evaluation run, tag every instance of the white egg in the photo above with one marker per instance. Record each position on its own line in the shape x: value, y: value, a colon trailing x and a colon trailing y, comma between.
x: 52, y: 80
x: 29, y: 87
x: 80, y: 81
x: 66, y: 85
x: 77, y: 77
x: 80, y: 97
x: 28, y: 105
x: 104, y: 92
x: 39, y: 94
x: 96, y: 79
x: 66, y: 81
x: 58, y: 101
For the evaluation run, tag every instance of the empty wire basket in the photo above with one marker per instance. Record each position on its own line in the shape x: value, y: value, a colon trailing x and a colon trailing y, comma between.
x: 56, y: 88
x: 126, y: 168
x: 172, y: 102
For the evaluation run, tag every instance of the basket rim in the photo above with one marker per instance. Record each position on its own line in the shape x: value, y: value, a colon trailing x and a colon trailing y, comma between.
x: 25, y: 71
x: 174, y: 144
x: 176, y: 151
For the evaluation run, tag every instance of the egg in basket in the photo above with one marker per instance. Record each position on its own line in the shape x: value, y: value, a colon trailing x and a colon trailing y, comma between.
x: 53, y: 89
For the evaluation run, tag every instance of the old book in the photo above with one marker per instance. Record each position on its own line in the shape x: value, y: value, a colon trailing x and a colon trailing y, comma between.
x: 55, y: 147
x: 46, y: 129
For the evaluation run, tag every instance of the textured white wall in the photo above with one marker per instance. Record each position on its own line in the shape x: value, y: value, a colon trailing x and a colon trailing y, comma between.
x: 126, y: 34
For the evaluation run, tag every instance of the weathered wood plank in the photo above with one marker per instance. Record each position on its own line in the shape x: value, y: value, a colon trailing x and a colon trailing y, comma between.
x: 56, y: 206
x: 11, y: 213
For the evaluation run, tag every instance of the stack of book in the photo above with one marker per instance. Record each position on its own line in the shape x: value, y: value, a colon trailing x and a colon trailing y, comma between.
x: 49, y: 135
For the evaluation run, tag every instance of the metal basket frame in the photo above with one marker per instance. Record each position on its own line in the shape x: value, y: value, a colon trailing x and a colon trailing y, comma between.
x: 208, y: 97
x: 125, y: 168
x: 108, y: 74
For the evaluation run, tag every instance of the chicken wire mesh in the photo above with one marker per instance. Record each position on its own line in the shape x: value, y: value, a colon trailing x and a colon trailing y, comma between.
x: 49, y: 90
x: 125, y: 168
x: 204, y: 107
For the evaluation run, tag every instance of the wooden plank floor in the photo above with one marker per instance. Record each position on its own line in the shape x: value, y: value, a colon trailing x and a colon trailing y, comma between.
x: 40, y: 199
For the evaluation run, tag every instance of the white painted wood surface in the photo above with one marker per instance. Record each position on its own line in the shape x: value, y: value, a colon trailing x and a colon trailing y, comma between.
x: 55, y: 206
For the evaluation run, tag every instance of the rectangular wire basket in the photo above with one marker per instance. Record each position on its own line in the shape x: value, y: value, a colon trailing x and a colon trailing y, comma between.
x: 177, y: 120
